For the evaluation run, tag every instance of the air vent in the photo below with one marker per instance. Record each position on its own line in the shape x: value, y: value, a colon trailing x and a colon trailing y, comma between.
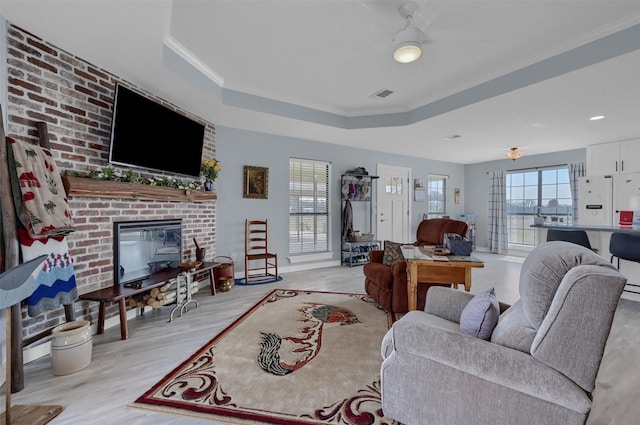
x: 382, y: 93
x: 452, y: 137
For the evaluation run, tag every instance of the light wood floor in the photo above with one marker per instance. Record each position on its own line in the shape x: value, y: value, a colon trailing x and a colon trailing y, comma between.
x: 120, y: 371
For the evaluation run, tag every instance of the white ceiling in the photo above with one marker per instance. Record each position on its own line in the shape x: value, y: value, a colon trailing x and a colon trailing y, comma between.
x: 497, y: 73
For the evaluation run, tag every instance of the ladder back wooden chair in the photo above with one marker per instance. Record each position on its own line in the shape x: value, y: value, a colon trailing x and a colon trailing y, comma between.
x: 258, y: 261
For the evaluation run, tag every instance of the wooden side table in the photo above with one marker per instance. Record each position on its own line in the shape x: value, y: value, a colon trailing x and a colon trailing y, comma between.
x: 423, y: 270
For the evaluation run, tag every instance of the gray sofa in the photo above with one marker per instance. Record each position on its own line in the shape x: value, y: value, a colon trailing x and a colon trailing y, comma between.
x: 539, y: 364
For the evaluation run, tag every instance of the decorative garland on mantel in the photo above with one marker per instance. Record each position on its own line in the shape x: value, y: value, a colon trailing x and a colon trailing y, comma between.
x: 112, y: 174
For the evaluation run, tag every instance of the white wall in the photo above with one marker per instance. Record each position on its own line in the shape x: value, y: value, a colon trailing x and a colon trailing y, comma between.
x: 236, y: 148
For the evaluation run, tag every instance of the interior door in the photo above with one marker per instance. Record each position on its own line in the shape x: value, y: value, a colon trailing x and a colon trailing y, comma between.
x: 393, y: 211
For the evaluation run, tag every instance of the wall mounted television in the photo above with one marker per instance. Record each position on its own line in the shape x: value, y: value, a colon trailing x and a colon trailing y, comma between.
x: 146, y: 134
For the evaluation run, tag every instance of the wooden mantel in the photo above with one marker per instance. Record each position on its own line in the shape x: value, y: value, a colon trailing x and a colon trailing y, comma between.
x: 84, y: 186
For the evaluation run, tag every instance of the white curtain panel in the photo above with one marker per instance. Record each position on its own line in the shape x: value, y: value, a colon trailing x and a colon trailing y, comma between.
x: 576, y: 171
x: 497, y: 213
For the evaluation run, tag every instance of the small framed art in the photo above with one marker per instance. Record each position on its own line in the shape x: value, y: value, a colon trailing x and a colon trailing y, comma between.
x: 256, y: 182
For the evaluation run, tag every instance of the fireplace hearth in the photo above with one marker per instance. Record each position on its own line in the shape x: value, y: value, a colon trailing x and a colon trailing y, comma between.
x: 143, y: 248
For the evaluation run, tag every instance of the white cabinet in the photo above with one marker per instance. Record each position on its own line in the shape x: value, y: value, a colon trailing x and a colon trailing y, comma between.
x: 614, y: 157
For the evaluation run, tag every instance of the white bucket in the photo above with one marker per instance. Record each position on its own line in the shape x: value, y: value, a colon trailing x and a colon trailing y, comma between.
x: 71, y: 347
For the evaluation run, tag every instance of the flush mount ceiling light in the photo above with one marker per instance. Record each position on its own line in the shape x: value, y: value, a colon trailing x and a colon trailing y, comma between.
x: 408, y: 41
x: 597, y: 117
x: 514, y: 154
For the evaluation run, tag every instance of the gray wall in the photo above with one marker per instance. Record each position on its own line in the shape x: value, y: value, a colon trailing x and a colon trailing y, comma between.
x: 236, y: 148
x: 476, y: 181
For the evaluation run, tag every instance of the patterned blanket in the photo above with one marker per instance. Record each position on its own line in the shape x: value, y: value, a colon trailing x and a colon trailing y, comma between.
x: 37, y: 190
x: 44, y: 213
x: 56, y: 280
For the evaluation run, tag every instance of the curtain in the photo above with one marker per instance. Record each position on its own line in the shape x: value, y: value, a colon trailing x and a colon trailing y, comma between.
x: 497, y: 213
x: 576, y: 171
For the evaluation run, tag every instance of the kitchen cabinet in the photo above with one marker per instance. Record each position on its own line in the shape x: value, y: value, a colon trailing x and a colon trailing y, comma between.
x: 614, y: 157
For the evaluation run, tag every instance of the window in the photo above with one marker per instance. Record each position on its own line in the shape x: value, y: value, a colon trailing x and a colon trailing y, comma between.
x: 308, y: 206
x: 436, y: 196
x: 531, y: 192
x: 394, y: 185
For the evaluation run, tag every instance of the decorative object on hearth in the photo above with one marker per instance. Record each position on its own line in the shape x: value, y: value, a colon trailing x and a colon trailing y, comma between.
x: 514, y: 154
x: 224, y: 269
x: 268, y: 380
x: 190, y: 265
x: 256, y: 182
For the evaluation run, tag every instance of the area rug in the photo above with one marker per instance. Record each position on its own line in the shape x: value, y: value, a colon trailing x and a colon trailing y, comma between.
x: 295, y: 358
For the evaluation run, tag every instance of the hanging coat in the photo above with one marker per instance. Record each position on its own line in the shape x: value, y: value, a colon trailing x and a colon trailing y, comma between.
x: 347, y: 220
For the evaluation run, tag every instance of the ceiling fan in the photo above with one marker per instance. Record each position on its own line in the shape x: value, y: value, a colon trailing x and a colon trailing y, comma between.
x: 408, y: 41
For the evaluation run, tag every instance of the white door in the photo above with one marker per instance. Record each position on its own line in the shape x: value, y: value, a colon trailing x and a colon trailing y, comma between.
x: 393, y: 209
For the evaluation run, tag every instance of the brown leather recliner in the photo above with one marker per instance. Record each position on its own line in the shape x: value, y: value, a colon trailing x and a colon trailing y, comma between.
x: 387, y: 285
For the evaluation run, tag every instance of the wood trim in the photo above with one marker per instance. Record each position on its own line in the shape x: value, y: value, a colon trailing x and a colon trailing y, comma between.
x: 84, y: 186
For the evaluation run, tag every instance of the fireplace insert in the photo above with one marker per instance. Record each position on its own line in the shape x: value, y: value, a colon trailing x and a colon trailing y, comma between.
x: 142, y: 248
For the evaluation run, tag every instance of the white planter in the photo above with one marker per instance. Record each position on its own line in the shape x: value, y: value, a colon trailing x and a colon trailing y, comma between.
x: 71, y: 347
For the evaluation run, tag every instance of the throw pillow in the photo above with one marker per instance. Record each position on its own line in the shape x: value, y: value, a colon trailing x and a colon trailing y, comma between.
x: 392, y: 253
x: 480, y: 315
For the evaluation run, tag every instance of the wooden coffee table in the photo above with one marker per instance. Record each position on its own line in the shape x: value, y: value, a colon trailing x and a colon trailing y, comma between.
x: 454, y: 271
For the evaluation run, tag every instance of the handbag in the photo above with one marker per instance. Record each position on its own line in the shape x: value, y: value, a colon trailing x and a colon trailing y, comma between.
x: 457, y: 244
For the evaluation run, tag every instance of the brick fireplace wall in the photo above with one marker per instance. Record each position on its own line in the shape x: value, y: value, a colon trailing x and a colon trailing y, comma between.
x: 75, y: 99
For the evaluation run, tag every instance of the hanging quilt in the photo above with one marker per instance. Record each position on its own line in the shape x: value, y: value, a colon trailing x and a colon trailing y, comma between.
x: 37, y: 189
x: 56, y: 279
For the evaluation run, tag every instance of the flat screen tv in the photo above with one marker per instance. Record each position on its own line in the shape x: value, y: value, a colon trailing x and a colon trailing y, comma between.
x: 146, y: 134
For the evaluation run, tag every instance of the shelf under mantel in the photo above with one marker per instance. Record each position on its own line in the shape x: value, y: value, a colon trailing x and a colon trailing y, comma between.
x: 91, y: 188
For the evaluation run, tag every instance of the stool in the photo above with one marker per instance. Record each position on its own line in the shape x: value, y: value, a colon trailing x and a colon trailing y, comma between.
x: 625, y: 246
x: 578, y: 237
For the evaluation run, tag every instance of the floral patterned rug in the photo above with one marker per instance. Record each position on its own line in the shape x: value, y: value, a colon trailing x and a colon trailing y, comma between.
x: 296, y: 357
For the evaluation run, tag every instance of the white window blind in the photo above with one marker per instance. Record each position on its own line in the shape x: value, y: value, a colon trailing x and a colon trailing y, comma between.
x: 308, y: 206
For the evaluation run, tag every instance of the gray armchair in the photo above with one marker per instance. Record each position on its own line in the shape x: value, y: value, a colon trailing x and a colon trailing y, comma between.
x: 539, y: 365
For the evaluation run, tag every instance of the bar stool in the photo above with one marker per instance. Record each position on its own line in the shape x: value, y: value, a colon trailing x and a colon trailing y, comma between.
x: 578, y: 237
x: 625, y: 246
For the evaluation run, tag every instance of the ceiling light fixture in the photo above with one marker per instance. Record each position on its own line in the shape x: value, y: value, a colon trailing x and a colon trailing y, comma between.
x: 408, y: 47
x: 597, y: 117
x: 514, y: 154
x: 408, y: 41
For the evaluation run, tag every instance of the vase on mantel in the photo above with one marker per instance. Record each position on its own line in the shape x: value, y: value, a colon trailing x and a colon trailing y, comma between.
x: 208, y: 185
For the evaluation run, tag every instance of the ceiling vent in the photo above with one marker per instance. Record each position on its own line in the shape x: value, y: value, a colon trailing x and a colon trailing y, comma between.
x: 382, y: 93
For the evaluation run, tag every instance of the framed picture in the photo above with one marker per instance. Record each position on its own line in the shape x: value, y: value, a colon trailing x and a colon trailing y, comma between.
x: 419, y: 190
x: 256, y: 182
